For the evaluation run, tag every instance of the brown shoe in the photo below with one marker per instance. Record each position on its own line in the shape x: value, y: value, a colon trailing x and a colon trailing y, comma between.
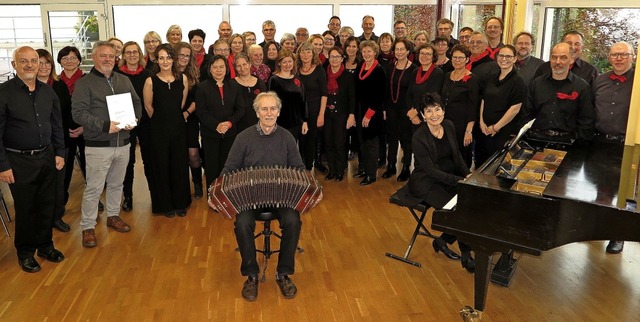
x: 118, y: 224
x: 250, y: 288
x: 288, y: 289
x: 89, y: 238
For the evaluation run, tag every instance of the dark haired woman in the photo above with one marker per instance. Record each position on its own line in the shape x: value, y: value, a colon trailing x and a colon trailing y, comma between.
x: 165, y: 94
x: 69, y: 58
x: 47, y: 74
x: 339, y: 114
x: 133, y: 66
x: 461, y: 99
x: 187, y: 66
x: 398, y: 125
x: 438, y: 168
x: 501, y: 101
x: 220, y: 106
x: 270, y: 53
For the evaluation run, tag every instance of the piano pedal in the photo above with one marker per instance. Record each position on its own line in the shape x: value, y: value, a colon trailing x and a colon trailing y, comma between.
x: 503, y: 271
x: 469, y: 314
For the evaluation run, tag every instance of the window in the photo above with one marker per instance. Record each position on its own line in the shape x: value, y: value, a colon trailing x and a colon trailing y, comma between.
x: 20, y: 25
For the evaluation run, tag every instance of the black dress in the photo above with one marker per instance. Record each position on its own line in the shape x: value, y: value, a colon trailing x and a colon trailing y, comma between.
x: 170, y: 190
x: 250, y: 118
x: 315, y: 87
x: 294, y: 106
x: 398, y: 124
x: 370, y: 94
x: 461, y: 101
x: 498, y: 96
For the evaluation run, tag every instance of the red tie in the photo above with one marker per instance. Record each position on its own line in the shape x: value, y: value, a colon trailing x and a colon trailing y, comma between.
x: 619, y: 78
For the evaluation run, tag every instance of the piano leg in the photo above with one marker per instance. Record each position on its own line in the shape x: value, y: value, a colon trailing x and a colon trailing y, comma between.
x: 481, y: 281
x: 505, y: 268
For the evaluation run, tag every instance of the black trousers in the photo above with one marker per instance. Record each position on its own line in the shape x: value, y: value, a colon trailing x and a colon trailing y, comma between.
x: 127, y: 188
x: 216, y: 151
x: 437, y: 197
x: 290, y: 225
x: 34, y: 193
x: 145, y: 151
x: 398, y: 129
x: 335, y: 141
x: 76, y: 145
x: 310, y: 142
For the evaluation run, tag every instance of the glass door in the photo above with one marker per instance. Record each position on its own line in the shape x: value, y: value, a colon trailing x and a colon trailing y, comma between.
x: 74, y: 25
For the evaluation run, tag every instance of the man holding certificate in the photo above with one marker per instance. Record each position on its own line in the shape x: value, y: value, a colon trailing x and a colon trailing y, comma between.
x: 107, y: 106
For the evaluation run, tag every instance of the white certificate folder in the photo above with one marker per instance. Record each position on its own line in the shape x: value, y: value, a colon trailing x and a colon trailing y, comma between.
x: 121, y: 110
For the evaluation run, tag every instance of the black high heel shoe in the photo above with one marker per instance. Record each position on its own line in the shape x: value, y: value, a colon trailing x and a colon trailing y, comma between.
x: 440, y: 245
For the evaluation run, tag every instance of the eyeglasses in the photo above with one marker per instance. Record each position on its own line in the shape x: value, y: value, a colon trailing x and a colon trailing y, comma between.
x: 442, y: 44
x: 152, y: 41
x: 474, y: 42
x: 68, y: 59
x: 221, y: 50
x: 426, y: 54
x: 329, y: 39
x: 130, y: 52
x: 619, y: 55
x: 183, y: 56
x: 45, y: 63
x: 501, y: 56
x: 458, y: 58
x: 27, y: 61
x: 335, y: 57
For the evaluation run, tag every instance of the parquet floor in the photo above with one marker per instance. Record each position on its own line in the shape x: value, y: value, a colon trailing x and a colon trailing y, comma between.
x: 187, y: 269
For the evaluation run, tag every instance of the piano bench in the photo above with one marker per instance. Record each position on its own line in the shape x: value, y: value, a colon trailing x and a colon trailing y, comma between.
x: 404, y: 199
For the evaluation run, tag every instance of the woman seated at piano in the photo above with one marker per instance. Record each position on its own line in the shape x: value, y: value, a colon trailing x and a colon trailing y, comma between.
x: 438, y: 168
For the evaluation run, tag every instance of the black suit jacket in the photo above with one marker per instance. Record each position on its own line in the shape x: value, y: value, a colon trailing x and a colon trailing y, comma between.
x: 426, y: 173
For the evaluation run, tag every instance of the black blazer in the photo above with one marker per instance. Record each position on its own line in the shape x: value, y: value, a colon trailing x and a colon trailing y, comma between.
x: 212, y: 109
x: 426, y: 172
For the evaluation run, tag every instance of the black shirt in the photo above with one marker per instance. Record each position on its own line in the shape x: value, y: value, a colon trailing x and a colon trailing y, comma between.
x: 580, y: 68
x: 29, y: 120
x: 561, y: 105
x: 499, y: 96
x: 612, y: 99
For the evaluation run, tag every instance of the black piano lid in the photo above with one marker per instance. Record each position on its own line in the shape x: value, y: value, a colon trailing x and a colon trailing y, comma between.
x: 589, y: 174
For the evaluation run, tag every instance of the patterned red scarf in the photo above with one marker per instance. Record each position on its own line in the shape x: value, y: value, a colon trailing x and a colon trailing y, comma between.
x: 332, y: 79
x: 71, y: 81
x: 126, y: 70
x: 199, y: 57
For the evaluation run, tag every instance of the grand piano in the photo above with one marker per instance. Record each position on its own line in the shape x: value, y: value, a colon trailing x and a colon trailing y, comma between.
x: 530, y: 198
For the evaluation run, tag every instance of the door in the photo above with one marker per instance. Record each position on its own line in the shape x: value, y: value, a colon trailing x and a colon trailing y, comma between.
x: 79, y: 25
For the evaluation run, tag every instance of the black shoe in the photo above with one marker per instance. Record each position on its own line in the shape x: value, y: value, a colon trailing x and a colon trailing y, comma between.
x: 339, y: 177
x: 391, y: 171
x: 351, y: 155
x: 404, y: 174
x: 170, y: 214
x: 319, y: 167
x: 615, y: 247
x: 288, y: 289
x: 330, y: 176
x: 61, y: 225
x: 360, y: 174
x: 439, y: 245
x: 197, y: 190
x: 52, y: 255
x: 29, y: 264
x: 468, y: 262
x: 367, y: 180
x: 181, y: 212
x: 381, y: 163
x: 250, y: 288
x: 127, y: 204
x: 100, y: 206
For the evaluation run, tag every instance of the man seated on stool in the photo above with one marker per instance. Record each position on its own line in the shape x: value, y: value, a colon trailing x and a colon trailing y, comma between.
x: 266, y: 145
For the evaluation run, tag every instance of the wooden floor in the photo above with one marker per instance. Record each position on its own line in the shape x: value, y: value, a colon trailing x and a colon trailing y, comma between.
x: 186, y: 269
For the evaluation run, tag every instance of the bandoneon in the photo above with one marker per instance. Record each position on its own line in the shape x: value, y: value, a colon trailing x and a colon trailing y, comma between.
x: 264, y: 187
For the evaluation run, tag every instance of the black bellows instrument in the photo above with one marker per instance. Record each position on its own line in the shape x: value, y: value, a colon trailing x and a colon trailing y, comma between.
x: 264, y: 187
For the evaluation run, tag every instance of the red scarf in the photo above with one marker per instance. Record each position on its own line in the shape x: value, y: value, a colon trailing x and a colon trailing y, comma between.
x: 71, y: 81
x: 332, y: 80
x: 232, y: 70
x: 126, y: 70
x: 199, y: 57
x: 420, y: 77
x: 322, y: 58
x: 373, y: 66
x: 49, y: 81
x: 473, y: 60
x: 572, y: 97
x: 493, y: 52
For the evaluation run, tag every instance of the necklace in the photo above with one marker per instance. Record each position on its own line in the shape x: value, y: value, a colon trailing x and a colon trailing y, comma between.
x: 306, y: 70
x: 397, y: 96
x: 168, y: 81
